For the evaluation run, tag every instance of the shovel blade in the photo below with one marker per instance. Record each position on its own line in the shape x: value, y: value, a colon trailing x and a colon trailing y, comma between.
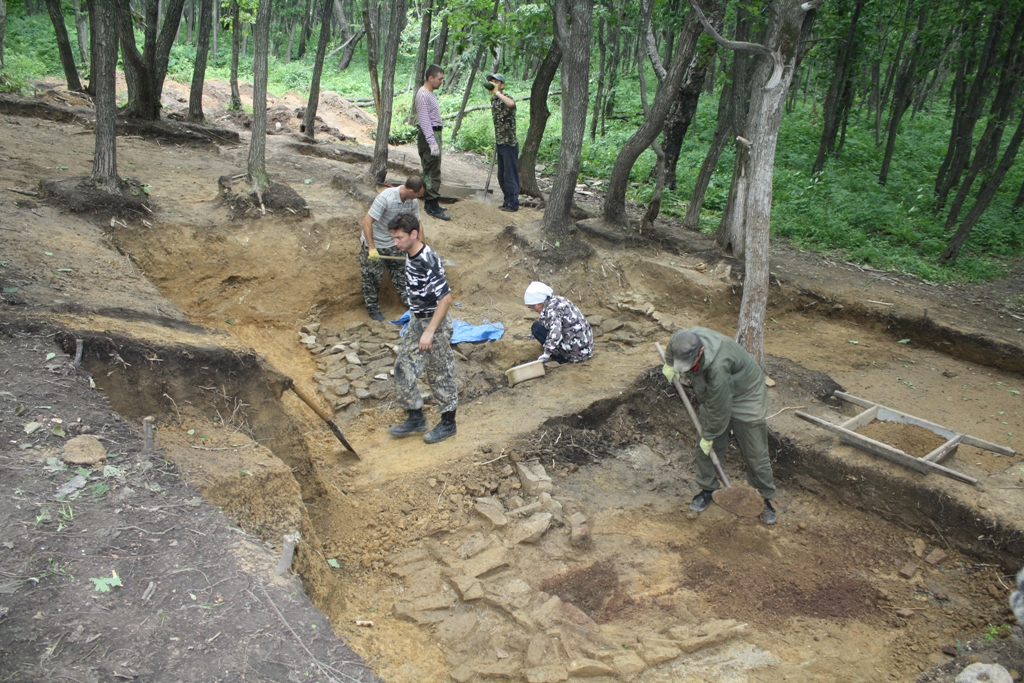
x: 740, y: 500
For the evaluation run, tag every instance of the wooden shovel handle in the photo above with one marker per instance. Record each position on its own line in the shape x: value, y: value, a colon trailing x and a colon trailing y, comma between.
x: 696, y: 422
x: 310, y: 402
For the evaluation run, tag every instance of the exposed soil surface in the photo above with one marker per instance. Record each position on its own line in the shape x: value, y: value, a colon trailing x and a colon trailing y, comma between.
x: 549, y: 539
x: 910, y: 438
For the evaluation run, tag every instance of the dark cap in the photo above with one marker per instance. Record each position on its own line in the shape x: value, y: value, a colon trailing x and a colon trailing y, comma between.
x: 685, y: 346
x: 497, y: 77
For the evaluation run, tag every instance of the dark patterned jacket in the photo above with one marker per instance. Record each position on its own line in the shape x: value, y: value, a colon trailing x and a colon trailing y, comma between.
x: 569, y: 333
x: 504, y: 122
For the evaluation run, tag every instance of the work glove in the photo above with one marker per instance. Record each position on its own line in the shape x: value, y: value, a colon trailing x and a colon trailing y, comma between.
x: 669, y: 371
x: 544, y: 357
x: 705, y: 446
x: 374, y: 255
x: 435, y: 151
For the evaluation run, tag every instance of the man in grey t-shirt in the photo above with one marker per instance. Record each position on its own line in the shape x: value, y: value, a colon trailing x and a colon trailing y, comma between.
x: 376, y: 240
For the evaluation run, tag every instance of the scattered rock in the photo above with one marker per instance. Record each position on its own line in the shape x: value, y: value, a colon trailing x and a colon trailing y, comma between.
x: 533, y: 529
x: 989, y: 673
x: 492, y: 510
x: 629, y: 664
x: 487, y: 562
x: 919, y: 547
x: 525, y: 510
x: 935, y: 557
x: 533, y: 478
x: 552, y: 673
x: 905, y: 613
x: 713, y: 632
x: 908, y: 570
x: 589, y: 668
x: 310, y: 329
x: 84, y: 450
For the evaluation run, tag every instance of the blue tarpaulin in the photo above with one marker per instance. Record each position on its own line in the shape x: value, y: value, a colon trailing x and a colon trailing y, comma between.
x: 463, y: 331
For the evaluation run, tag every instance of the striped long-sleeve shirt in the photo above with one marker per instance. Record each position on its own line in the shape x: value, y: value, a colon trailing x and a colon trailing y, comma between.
x: 428, y: 114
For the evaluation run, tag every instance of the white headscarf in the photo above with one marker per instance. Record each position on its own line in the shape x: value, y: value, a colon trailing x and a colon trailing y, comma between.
x: 537, y: 293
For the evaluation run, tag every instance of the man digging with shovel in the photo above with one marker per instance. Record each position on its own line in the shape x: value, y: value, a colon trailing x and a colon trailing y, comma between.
x: 733, y: 398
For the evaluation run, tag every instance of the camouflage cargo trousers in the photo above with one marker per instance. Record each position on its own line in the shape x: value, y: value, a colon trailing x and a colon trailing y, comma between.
x: 372, y: 273
x: 439, y: 362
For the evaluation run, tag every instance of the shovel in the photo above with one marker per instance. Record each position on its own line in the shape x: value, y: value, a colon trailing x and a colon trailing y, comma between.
x: 481, y: 195
x: 323, y: 416
x: 739, y: 500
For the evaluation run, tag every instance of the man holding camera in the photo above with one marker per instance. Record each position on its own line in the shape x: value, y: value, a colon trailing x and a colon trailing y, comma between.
x: 503, y: 110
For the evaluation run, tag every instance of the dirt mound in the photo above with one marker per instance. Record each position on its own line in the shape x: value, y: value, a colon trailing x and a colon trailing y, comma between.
x: 81, y: 195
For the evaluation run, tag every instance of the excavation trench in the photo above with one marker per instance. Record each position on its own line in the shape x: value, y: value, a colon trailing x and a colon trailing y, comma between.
x: 469, y: 590
x: 649, y: 593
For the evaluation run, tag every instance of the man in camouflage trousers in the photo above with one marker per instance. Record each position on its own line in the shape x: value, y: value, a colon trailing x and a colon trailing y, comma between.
x: 376, y: 242
x: 427, y: 341
x: 503, y: 111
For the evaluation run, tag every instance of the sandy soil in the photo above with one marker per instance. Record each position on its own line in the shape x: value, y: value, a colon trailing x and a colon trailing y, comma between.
x: 819, y: 593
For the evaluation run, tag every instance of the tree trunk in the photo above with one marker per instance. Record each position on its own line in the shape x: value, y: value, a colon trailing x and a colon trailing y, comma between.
x: 1019, y: 200
x: 421, y: 54
x: 787, y: 23
x: 465, y: 94
x: 441, y: 45
x: 841, y: 82
x: 236, y: 45
x: 145, y: 72
x: 723, y: 133
x: 539, y: 114
x: 291, y: 41
x: 372, y: 50
x: 379, y: 166
x: 573, y: 20
x: 309, y: 119
x: 985, y: 194
x: 599, y: 97
x: 903, y: 92
x: 685, y: 107
x: 81, y: 29
x: 195, y: 97
x: 1001, y: 112
x: 972, y: 102
x: 257, y: 162
x: 668, y: 88
x: 215, y: 29
x: 103, y: 21
x: 3, y: 29
x: 67, y: 56
x: 307, y: 29
x: 349, y: 38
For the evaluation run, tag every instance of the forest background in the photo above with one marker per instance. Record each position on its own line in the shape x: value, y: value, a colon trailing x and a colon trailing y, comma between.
x: 902, y: 120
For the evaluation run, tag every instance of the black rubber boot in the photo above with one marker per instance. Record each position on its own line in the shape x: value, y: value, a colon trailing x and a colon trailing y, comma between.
x: 434, y: 209
x: 701, y: 501
x: 414, y: 424
x: 443, y: 429
x: 768, y: 516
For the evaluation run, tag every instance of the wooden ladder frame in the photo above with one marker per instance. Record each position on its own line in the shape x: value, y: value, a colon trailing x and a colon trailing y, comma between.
x: 925, y: 465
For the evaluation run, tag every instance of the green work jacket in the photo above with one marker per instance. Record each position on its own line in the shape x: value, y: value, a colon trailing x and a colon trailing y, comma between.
x: 729, y: 384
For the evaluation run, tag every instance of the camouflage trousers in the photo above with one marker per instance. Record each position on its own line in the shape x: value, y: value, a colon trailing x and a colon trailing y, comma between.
x: 372, y: 273
x: 439, y: 362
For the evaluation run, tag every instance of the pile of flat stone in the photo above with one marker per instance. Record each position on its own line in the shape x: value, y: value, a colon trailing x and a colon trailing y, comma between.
x: 354, y: 364
x: 474, y: 592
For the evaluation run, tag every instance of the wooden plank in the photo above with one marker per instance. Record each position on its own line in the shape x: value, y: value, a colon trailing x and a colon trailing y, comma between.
x: 850, y: 398
x: 861, y: 419
x: 889, y: 415
x: 945, y: 450
x: 987, y: 445
x: 885, y: 451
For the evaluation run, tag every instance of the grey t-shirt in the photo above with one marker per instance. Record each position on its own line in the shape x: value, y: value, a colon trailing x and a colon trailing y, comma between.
x: 385, y: 207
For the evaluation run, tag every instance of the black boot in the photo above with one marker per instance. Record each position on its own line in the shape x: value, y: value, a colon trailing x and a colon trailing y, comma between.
x: 434, y: 209
x: 414, y: 424
x: 443, y: 429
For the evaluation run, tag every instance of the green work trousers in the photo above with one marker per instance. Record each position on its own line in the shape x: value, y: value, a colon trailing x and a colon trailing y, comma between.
x: 752, y: 438
x: 431, y: 167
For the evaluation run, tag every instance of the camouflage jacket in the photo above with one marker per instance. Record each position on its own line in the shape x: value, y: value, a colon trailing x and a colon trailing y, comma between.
x: 504, y: 122
x: 569, y: 333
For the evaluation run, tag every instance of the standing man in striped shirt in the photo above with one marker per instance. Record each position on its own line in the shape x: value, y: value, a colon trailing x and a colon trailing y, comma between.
x: 428, y: 141
x: 427, y: 341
